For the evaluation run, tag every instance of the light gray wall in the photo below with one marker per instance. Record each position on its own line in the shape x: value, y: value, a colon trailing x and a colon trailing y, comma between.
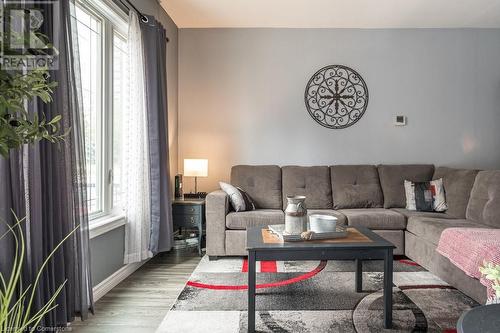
x: 107, y: 250
x: 106, y: 254
x: 241, y: 97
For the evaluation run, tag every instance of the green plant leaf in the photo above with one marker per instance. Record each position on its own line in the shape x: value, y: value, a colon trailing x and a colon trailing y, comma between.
x: 15, y: 313
x: 17, y: 88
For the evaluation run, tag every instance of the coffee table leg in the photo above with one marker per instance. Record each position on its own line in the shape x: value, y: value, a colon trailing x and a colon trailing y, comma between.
x: 359, y: 276
x: 388, y: 271
x: 251, y: 291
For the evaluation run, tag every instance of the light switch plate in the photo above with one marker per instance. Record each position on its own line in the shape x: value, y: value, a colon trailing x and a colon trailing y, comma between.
x: 400, y: 121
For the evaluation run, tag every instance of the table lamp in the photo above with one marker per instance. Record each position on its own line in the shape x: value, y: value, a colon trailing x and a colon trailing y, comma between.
x: 195, y: 168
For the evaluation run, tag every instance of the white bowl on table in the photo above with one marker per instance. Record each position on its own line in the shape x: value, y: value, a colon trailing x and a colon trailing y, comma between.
x: 320, y: 223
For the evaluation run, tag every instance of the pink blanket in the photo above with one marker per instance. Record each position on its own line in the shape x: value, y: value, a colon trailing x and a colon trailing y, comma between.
x: 469, y: 248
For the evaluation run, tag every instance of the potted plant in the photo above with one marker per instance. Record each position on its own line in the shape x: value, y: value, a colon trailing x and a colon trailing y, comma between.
x: 18, y: 126
x: 16, y: 300
x: 18, y: 87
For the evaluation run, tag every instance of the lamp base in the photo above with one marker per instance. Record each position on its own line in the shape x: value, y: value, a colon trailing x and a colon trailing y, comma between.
x: 196, y: 194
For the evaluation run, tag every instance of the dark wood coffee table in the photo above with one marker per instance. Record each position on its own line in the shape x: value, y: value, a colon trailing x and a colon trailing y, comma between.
x: 361, y: 244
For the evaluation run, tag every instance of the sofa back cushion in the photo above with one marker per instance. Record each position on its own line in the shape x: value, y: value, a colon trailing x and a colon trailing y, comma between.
x: 392, y: 179
x: 356, y: 186
x: 313, y: 182
x: 261, y: 182
x: 457, y: 186
x: 484, y: 202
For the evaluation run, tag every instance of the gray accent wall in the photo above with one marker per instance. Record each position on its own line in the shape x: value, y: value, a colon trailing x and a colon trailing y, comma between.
x: 241, y: 97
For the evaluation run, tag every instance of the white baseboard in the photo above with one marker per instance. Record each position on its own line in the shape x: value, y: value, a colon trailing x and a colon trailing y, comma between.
x: 114, y: 279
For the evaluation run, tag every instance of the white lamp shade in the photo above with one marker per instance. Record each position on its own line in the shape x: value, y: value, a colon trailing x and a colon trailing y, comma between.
x: 195, y: 167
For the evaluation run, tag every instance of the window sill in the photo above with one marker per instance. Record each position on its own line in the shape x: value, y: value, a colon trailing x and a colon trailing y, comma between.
x: 105, y: 224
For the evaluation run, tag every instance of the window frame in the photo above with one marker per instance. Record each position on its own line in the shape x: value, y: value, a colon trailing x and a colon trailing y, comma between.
x: 112, y: 18
x: 111, y: 174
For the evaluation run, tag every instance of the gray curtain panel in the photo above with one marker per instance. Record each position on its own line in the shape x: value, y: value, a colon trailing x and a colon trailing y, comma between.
x: 155, y: 58
x: 11, y: 200
x: 46, y: 183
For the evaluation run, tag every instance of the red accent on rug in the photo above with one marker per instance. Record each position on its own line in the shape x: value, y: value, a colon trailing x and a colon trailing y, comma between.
x: 265, y: 266
x: 408, y: 262
x: 296, y: 279
x: 244, y: 268
x: 450, y: 330
x: 268, y: 267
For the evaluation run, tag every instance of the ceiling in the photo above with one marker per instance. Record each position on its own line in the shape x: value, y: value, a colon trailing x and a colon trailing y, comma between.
x: 334, y: 13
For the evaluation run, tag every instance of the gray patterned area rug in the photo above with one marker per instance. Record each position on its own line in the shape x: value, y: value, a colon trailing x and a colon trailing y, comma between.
x: 313, y: 297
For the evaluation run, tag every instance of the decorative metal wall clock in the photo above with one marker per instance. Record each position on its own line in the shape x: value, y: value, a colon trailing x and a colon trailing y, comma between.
x: 336, y: 96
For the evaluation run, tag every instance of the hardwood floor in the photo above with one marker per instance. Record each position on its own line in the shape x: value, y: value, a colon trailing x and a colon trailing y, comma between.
x: 140, y: 302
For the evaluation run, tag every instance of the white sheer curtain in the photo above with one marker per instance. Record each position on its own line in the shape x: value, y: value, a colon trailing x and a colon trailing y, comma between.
x: 135, y: 156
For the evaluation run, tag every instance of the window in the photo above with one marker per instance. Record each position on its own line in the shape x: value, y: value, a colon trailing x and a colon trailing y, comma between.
x: 90, y: 41
x: 120, y: 101
x: 102, y: 30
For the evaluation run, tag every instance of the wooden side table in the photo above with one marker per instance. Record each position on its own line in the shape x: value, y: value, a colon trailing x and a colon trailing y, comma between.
x: 190, y: 214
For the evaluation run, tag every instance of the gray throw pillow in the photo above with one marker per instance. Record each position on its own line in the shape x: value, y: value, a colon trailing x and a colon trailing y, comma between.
x: 239, y: 199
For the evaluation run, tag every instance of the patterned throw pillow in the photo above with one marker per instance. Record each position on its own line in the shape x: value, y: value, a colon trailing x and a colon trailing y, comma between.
x: 425, y: 196
x: 240, y: 200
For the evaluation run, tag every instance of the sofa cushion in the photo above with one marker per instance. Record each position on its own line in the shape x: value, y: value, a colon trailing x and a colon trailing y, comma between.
x: 430, y: 229
x: 313, y: 182
x: 254, y: 218
x: 375, y: 218
x: 392, y: 179
x: 341, y: 219
x: 261, y: 182
x: 484, y: 202
x: 412, y: 213
x: 457, y: 186
x: 356, y: 186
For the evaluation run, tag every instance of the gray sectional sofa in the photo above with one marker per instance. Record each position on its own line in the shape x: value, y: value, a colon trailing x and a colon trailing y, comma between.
x: 362, y: 195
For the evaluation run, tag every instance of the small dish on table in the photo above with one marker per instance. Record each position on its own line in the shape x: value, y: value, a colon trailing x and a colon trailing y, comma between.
x: 320, y: 223
x: 279, y: 230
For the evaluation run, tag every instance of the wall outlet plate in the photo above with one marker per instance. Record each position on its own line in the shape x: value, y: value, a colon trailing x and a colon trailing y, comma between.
x: 400, y: 121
